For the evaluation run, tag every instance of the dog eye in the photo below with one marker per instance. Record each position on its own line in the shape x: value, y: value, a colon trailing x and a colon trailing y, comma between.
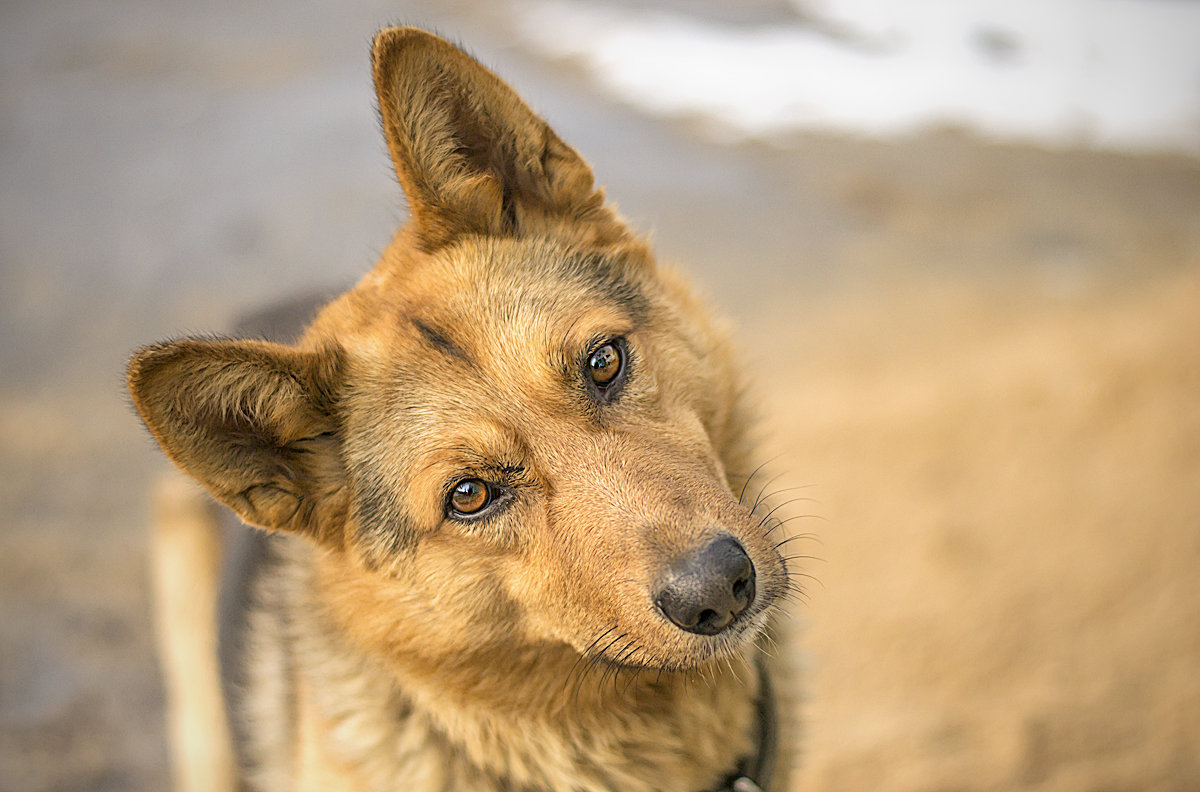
x: 606, y: 365
x: 470, y: 496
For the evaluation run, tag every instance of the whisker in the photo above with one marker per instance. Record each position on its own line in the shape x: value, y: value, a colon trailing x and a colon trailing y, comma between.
x: 750, y: 478
x: 583, y: 655
x: 780, y: 506
x: 600, y: 656
x: 771, y: 646
x: 782, y: 490
x: 809, y: 536
x: 763, y: 489
x: 796, y: 517
x: 804, y: 575
x: 808, y: 557
x: 611, y: 667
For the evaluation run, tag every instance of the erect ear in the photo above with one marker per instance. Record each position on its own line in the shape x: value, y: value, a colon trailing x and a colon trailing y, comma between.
x: 254, y: 422
x: 471, y: 156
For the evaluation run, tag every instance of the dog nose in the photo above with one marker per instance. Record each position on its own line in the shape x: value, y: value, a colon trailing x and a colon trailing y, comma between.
x: 706, y: 590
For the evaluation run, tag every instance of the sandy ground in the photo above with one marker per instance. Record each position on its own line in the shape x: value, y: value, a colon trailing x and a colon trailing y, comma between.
x: 984, y: 361
x: 1008, y: 592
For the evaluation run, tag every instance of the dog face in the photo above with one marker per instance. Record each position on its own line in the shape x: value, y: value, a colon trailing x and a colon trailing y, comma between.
x: 514, y: 433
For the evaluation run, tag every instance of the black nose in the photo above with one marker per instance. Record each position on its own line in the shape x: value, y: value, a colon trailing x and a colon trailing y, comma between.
x: 706, y: 590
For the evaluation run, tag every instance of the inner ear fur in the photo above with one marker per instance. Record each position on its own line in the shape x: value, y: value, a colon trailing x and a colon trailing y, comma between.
x: 471, y: 156
x: 254, y: 422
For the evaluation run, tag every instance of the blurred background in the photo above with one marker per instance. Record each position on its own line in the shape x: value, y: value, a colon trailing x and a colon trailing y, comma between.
x: 960, y: 242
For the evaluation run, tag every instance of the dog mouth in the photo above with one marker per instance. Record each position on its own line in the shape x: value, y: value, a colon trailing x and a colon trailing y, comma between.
x: 628, y: 654
x: 744, y: 629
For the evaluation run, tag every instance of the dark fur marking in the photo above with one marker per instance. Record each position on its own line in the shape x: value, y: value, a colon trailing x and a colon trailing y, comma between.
x: 439, y: 341
x: 383, y: 528
x: 602, y: 276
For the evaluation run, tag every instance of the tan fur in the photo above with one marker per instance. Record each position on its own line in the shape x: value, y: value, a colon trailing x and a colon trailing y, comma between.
x: 186, y: 556
x: 417, y: 652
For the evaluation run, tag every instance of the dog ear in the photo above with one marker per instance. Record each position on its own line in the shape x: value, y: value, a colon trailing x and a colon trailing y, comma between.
x: 254, y: 422
x: 471, y: 156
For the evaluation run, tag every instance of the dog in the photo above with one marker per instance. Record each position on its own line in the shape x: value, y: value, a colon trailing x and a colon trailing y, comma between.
x: 500, y: 484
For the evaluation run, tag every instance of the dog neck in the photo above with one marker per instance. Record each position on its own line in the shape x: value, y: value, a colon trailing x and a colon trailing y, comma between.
x: 522, y: 718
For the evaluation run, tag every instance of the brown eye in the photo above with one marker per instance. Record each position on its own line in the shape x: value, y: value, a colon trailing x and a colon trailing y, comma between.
x: 605, y: 364
x: 470, y: 496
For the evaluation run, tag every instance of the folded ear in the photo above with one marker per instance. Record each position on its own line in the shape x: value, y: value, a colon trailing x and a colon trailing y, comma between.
x: 471, y: 156
x: 254, y: 422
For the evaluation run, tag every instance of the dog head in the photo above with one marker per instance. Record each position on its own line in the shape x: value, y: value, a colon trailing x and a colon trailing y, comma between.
x: 517, y: 427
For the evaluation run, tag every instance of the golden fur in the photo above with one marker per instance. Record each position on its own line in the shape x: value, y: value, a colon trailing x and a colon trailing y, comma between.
x: 392, y: 647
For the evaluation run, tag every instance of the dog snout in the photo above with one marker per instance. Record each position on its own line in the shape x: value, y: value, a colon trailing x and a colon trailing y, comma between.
x: 705, y: 591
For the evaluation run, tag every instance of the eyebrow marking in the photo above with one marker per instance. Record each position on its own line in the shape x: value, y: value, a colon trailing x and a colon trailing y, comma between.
x: 440, y: 341
x: 602, y: 277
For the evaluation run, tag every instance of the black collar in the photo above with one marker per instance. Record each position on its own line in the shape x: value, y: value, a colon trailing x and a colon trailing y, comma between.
x: 753, y: 772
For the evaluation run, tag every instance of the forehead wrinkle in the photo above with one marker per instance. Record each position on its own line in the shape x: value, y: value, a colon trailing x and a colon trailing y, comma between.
x: 529, y: 362
x: 497, y: 271
x: 519, y: 314
x: 570, y: 282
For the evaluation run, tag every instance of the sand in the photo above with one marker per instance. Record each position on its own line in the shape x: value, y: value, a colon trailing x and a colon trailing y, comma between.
x: 1007, y: 596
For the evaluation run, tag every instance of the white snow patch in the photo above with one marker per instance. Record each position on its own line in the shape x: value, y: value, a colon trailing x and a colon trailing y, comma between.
x: 1116, y: 74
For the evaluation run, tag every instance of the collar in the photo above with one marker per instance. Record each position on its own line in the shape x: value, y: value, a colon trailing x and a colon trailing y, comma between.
x: 753, y: 773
